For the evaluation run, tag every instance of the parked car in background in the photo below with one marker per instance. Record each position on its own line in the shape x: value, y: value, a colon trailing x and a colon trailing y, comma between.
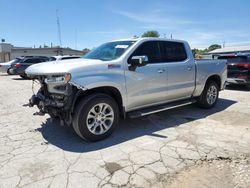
x: 238, y: 68
x: 5, y: 67
x: 133, y: 78
x: 63, y: 57
x: 19, y: 67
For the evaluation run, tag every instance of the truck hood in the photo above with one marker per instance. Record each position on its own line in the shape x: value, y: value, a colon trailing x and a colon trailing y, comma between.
x: 61, y: 67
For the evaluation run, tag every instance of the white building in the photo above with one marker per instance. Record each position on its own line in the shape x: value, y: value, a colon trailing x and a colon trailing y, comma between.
x: 9, y: 52
x: 230, y: 50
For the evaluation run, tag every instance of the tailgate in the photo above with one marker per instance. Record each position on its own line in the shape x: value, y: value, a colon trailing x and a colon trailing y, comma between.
x: 236, y: 70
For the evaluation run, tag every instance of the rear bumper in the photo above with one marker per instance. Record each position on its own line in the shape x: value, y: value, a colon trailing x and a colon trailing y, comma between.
x: 238, y: 81
x: 3, y: 69
x: 17, y: 71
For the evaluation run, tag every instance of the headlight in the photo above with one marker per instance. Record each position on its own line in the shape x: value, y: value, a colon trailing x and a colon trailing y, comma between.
x: 58, y: 79
x: 67, y: 77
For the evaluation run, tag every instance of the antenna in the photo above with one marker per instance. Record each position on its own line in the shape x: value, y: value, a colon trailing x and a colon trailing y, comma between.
x: 58, y: 29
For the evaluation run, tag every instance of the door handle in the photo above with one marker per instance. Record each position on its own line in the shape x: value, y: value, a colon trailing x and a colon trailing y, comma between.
x: 161, y: 70
x: 189, y: 68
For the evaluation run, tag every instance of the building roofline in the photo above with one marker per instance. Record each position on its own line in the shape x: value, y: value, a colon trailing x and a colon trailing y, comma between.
x: 231, y: 50
x: 53, y: 48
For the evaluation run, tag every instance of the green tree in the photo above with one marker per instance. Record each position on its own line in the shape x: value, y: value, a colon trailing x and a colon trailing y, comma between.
x: 85, y: 50
x: 198, y: 53
x: 151, y: 34
x: 213, y: 47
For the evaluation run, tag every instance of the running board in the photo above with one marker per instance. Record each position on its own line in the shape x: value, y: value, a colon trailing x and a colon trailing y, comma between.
x: 160, y: 108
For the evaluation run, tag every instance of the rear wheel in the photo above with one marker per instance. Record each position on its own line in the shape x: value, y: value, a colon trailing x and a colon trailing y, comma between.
x: 24, y: 76
x: 8, y: 71
x: 209, y: 95
x: 95, y: 117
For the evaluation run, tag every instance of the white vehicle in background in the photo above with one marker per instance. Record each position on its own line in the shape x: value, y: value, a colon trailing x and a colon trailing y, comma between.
x: 63, y: 57
x: 5, y: 67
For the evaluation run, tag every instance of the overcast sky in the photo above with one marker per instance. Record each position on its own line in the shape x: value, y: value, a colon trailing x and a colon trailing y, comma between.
x: 89, y: 23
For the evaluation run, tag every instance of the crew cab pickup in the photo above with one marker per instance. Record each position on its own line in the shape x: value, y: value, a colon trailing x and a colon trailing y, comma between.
x: 125, y: 78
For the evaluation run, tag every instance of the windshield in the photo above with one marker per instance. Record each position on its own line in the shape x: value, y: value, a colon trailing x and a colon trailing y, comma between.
x: 109, y: 51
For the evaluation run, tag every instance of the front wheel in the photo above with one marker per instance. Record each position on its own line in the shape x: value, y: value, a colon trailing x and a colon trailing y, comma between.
x: 95, y: 117
x: 209, y: 95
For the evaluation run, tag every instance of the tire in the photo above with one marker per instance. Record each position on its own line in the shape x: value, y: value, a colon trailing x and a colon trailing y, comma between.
x: 8, y: 72
x: 23, y: 76
x: 89, y: 121
x: 52, y: 116
x: 209, y: 95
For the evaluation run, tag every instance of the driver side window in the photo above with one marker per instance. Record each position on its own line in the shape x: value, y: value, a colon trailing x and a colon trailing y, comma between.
x: 150, y: 49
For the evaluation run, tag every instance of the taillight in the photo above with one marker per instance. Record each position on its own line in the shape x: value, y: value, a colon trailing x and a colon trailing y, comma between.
x: 18, y: 65
x: 245, y: 65
x: 242, y: 76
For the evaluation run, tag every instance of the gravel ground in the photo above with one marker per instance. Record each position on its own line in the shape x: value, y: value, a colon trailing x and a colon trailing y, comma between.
x: 185, y: 147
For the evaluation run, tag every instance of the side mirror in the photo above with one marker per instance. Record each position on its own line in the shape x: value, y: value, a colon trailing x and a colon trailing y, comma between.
x: 138, y: 60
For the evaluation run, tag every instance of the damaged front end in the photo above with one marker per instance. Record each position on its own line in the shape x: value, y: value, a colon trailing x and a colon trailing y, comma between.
x: 55, y: 97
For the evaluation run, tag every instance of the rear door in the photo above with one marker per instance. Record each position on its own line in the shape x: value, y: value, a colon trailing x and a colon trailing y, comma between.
x: 31, y: 61
x: 147, y: 85
x: 27, y: 62
x: 180, y: 70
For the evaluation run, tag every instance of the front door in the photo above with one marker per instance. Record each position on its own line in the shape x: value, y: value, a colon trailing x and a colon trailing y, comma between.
x: 147, y: 85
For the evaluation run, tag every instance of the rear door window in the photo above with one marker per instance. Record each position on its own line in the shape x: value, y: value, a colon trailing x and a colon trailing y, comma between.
x: 38, y: 60
x: 172, y: 51
x: 43, y: 60
x: 28, y: 61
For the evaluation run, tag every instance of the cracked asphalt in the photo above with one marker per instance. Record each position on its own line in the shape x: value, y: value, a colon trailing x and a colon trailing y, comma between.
x: 184, y: 147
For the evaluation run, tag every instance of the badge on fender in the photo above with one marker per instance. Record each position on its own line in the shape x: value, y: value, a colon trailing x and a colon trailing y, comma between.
x: 114, y: 66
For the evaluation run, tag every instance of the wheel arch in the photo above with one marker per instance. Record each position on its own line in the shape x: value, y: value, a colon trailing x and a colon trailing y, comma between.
x: 216, y: 78
x: 109, y: 90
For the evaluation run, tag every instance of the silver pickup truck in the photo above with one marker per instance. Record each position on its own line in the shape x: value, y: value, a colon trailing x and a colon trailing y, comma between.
x: 133, y: 77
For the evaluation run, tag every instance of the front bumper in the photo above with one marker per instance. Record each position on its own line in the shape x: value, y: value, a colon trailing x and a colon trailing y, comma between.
x: 44, y: 102
x: 55, y: 100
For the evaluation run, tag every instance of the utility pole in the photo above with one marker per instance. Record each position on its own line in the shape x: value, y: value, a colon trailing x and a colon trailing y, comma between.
x: 58, y: 29
x: 171, y: 36
x: 223, y: 45
x: 76, y: 39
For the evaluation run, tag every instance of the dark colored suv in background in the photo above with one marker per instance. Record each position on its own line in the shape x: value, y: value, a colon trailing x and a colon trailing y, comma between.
x: 19, y: 67
x: 238, y: 68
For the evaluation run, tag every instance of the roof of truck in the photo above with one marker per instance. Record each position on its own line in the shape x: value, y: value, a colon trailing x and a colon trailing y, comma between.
x: 149, y: 39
